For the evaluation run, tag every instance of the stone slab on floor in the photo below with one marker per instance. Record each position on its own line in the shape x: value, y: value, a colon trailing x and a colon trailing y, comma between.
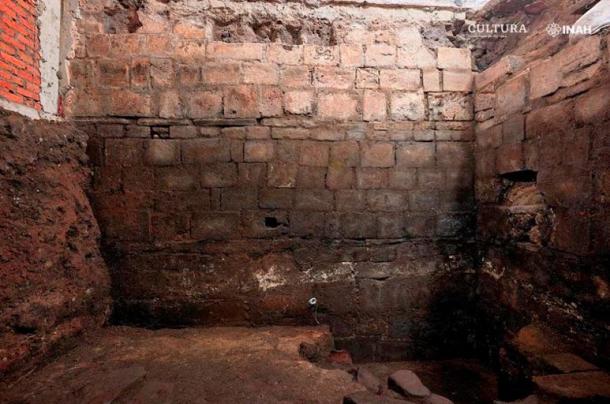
x: 194, y: 365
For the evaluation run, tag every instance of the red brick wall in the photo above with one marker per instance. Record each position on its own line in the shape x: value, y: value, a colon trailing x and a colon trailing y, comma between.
x: 19, y: 53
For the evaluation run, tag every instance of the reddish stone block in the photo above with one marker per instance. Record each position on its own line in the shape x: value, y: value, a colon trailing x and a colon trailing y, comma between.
x: 340, y: 178
x: 371, y: 178
x: 545, y: 78
x: 239, y: 198
x: 513, y: 129
x: 282, y: 175
x: 240, y: 102
x: 509, y: 158
x: 307, y: 224
x: 374, y: 106
x: 259, y: 150
x: 295, y: 76
x: 408, y: 106
x: 128, y: 103
x: 124, y: 152
x: 176, y: 178
x: 377, y: 155
x: 219, y: 175
x: 450, y: 107
x: 276, y: 198
x: 285, y: 54
x: 431, y: 79
x: 367, y: 78
x: 290, y: 133
x: 333, y: 77
x: 511, y: 96
x: 113, y: 73
x: 203, y: 104
x: 454, y: 58
x: 321, y: 55
x: 162, y: 152
x: 238, y: 51
x: 314, y: 199
x: 418, y: 154
x: 314, y: 154
x: 311, y: 177
x: 425, y: 200
x: 341, y: 106
x: 270, y: 101
x: 351, y: 55
x: 386, y: 200
x: 226, y: 73
x: 402, y: 178
x: 170, y: 105
x: 380, y: 55
x: 350, y: 200
x: 391, y: 225
x: 205, y: 151
x: 261, y: 73
x: 358, y: 225
x: 457, y: 80
x: 344, y: 154
x: 400, y: 79
x: 430, y: 178
x: 454, y: 154
x: 299, y: 102
x: 215, y: 225
x: 162, y: 73
x: 252, y: 174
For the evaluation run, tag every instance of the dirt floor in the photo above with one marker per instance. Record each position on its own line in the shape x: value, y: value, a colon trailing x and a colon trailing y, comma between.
x: 220, y: 365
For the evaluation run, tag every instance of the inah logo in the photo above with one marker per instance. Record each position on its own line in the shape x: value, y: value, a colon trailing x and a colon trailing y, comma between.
x: 553, y: 29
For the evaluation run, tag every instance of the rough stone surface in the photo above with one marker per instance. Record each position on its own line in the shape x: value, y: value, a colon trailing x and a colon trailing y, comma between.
x: 408, y: 384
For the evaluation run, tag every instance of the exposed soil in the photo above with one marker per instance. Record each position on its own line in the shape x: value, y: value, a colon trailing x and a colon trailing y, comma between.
x: 53, y: 281
x: 222, y: 365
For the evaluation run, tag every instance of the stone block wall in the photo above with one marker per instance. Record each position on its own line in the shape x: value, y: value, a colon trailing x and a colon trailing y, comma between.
x: 542, y: 169
x: 234, y: 181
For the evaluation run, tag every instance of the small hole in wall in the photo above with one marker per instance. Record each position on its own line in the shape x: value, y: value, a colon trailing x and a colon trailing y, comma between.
x: 271, y: 222
x: 521, y: 176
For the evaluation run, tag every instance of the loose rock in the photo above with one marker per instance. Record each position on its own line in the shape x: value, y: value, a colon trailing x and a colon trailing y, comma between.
x: 408, y: 384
